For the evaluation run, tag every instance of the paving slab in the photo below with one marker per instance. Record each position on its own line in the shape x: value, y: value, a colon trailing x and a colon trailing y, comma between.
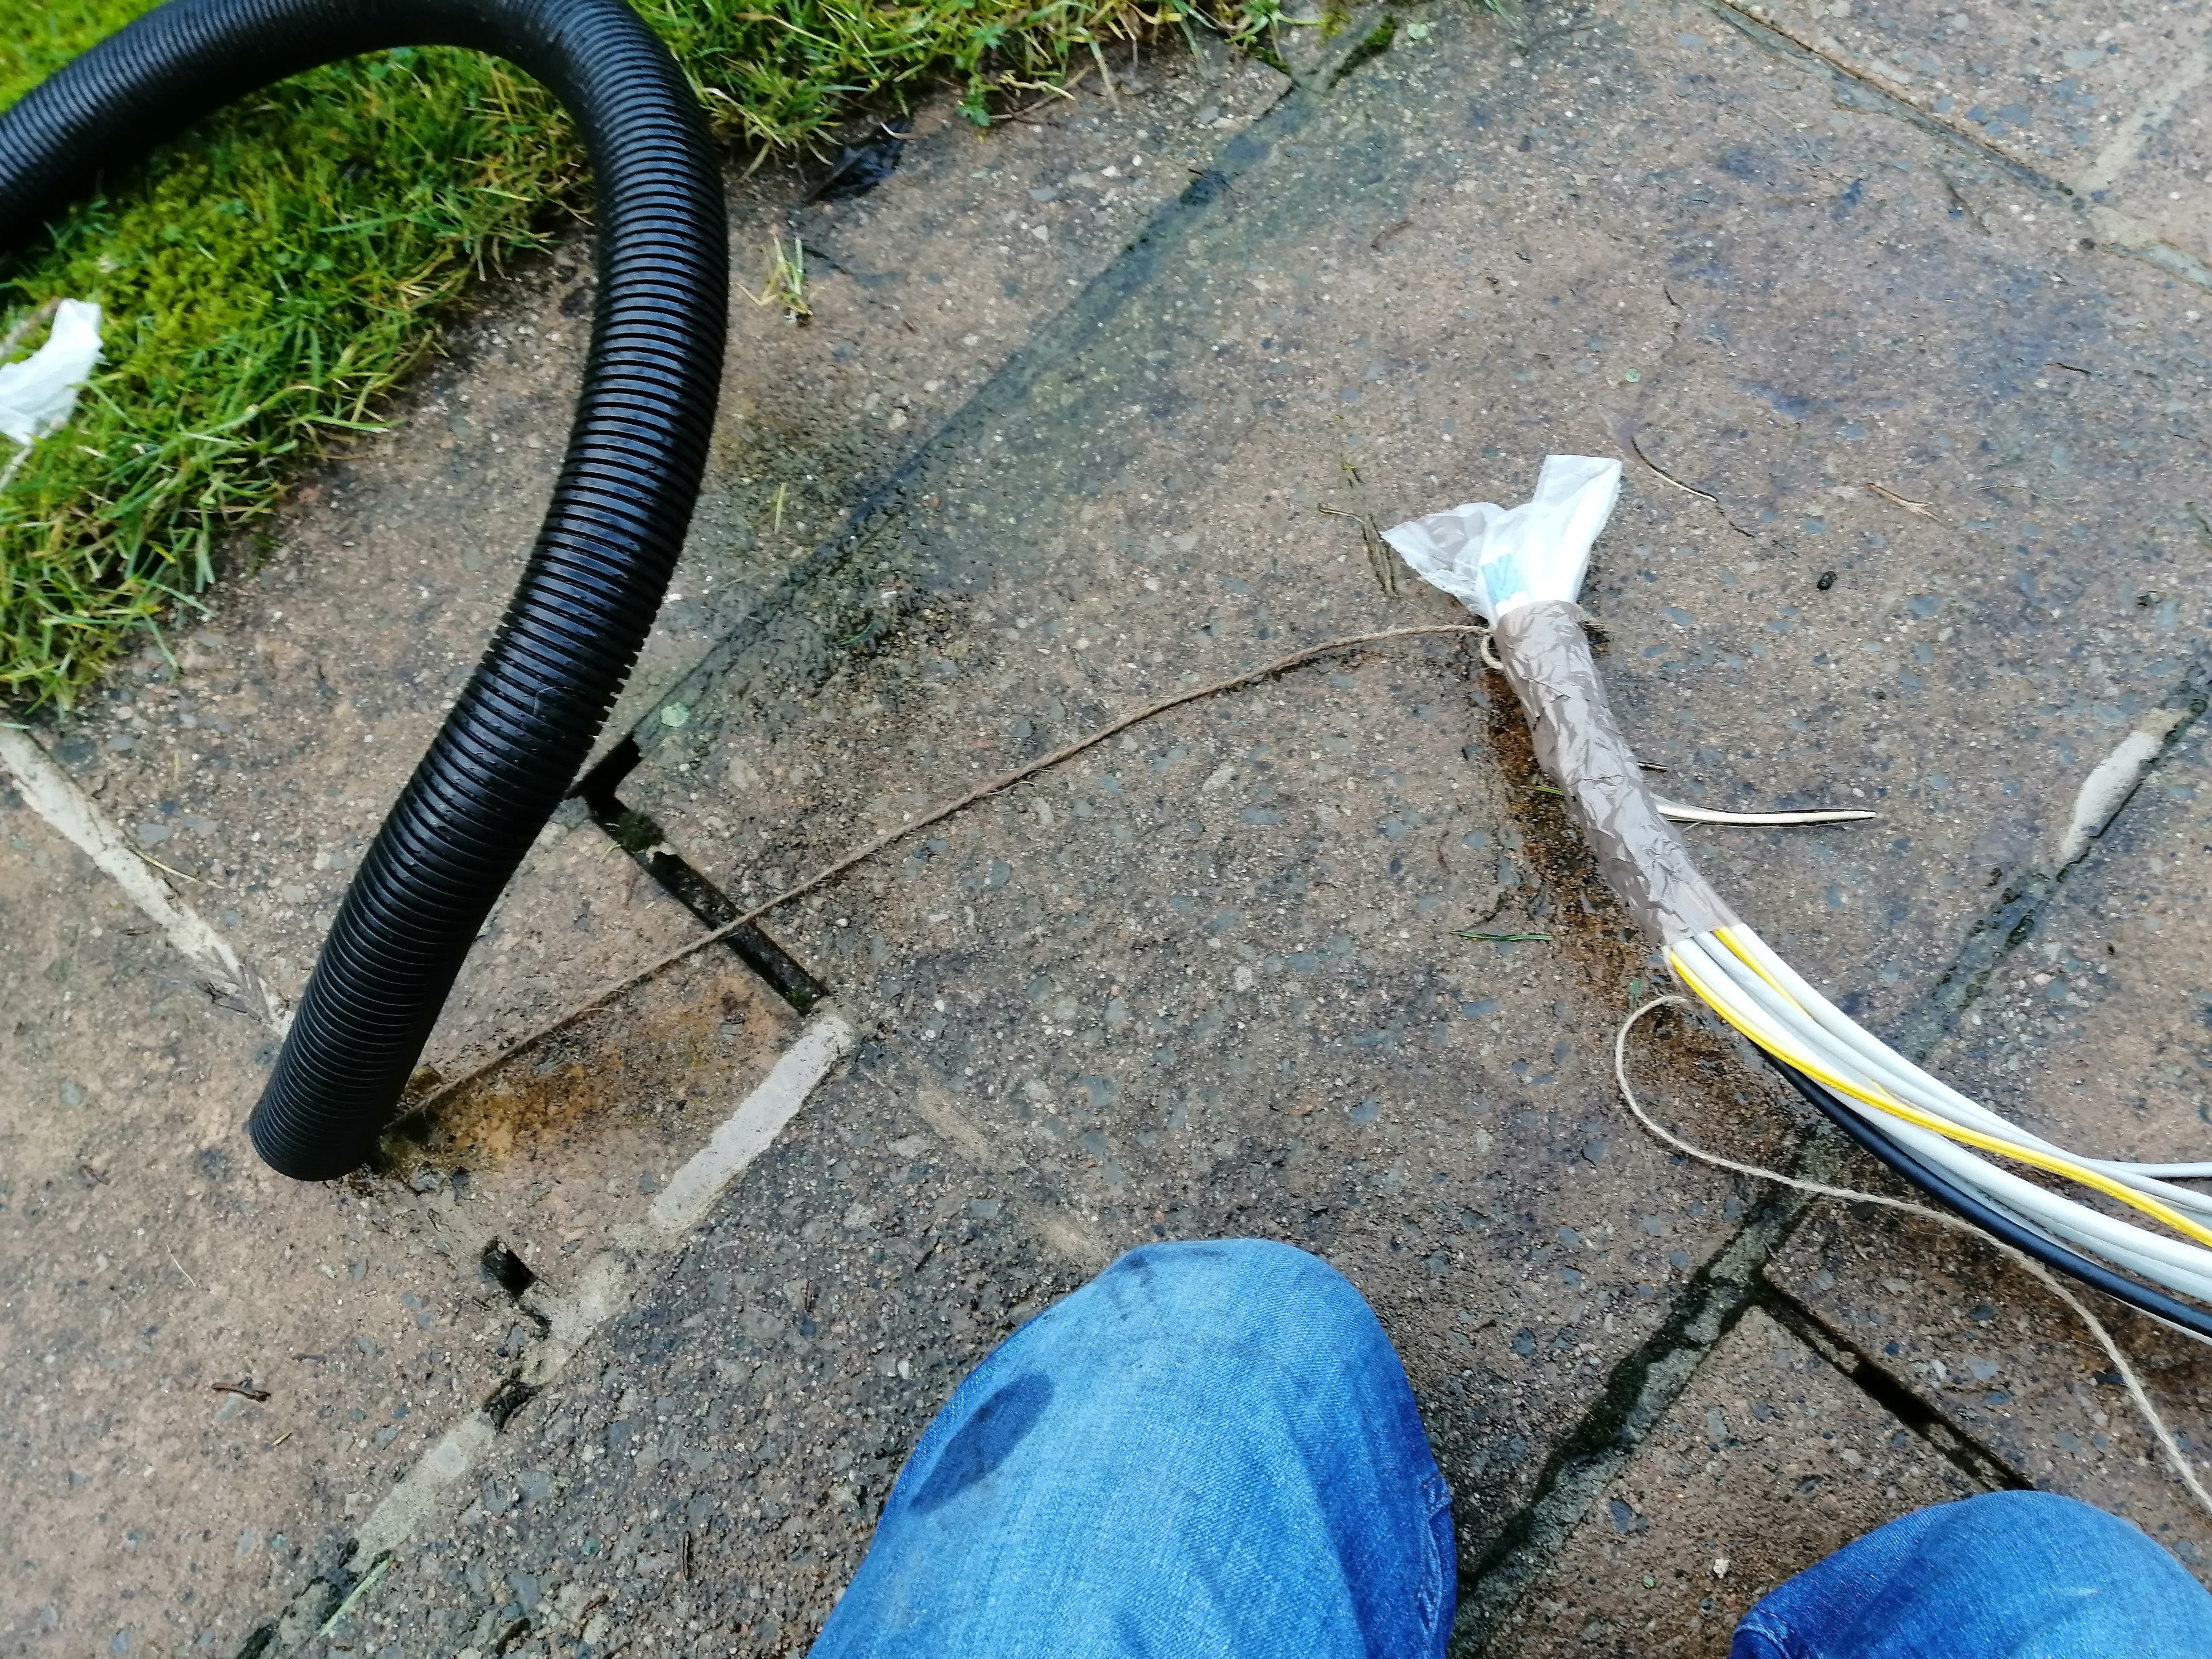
x: 1771, y: 1461
x: 2091, y: 1033
x: 146, y: 1258
x: 1896, y: 594
x: 1210, y: 979
x: 1774, y: 371
x: 1216, y: 976
x: 918, y: 292
x: 708, y: 1481
x: 2107, y: 102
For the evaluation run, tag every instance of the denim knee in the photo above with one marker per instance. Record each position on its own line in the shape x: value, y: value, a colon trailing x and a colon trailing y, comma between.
x: 1251, y: 1278
x: 1978, y: 1578
x: 2011, y: 1530
x: 1209, y: 1449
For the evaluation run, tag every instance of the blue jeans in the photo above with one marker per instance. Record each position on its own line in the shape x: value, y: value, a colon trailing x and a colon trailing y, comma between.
x: 2009, y: 1575
x: 1212, y: 1449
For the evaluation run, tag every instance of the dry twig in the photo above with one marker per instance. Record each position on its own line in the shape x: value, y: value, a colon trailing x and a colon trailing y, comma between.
x: 936, y: 815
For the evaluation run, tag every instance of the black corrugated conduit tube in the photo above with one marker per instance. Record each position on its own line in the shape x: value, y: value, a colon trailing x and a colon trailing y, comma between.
x: 524, y: 723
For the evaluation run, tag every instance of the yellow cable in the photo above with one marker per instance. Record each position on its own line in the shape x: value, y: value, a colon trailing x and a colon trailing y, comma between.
x: 1883, y: 1102
x: 1724, y: 935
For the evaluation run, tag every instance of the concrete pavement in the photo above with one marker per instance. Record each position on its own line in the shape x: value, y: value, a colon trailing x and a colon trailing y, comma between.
x: 1095, y: 409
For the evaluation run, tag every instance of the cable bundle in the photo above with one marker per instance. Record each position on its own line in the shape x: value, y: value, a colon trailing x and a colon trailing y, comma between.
x: 1934, y: 1136
x: 1522, y: 570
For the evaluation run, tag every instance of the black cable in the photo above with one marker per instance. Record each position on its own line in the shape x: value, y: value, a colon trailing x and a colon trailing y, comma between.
x: 1992, y: 1220
x: 524, y: 723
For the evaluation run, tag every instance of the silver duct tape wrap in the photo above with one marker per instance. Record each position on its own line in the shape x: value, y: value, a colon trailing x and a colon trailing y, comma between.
x: 1547, y: 661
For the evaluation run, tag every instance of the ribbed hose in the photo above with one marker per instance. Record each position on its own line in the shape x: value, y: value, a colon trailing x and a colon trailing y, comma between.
x: 525, y: 721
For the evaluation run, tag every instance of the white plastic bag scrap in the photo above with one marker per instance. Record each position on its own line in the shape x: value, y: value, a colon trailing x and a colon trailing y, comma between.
x: 1496, y: 558
x: 37, y: 394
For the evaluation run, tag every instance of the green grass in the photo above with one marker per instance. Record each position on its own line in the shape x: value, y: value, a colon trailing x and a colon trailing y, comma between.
x: 270, y: 278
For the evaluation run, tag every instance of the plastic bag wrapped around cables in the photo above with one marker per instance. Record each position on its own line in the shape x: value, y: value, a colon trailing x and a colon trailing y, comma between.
x: 1522, y: 568
x: 1495, y: 558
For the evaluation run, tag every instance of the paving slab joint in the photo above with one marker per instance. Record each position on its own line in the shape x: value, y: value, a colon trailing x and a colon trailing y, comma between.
x: 567, y: 1318
x: 638, y: 835
x: 1370, y: 41
x: 1638, y: 1393
x: 1962, y: 1449
x: 1317, y: 49
x: 1868, y: 95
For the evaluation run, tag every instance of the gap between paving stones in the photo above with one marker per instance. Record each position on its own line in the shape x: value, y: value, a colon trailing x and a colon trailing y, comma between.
x: 53, y: 795
x: 1644, y: 1386
x: 567, y: 1320
x: 1860, y: 1198
x: 1967, y: 1453
x: 636, y: 834
x: 607, y: 1287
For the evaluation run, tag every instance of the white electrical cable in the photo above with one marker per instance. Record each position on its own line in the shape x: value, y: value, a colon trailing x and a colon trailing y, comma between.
x: 1826, y: 1031
x: 1500, y: 561
x: 2166, y: 1171
x: 2137, y: 1392
x: 1780, y: 1022
x: 1682, y: 814
x: 1842, y: 1040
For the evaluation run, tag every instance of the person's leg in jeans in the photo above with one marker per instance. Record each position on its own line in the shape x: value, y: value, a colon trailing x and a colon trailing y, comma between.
x: 1209, y: 1450
x: 2009, y: 1575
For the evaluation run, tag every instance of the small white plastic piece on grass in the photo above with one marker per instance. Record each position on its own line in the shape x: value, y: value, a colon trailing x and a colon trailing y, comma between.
x: 37, y: 394
x: 1496, y: 558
